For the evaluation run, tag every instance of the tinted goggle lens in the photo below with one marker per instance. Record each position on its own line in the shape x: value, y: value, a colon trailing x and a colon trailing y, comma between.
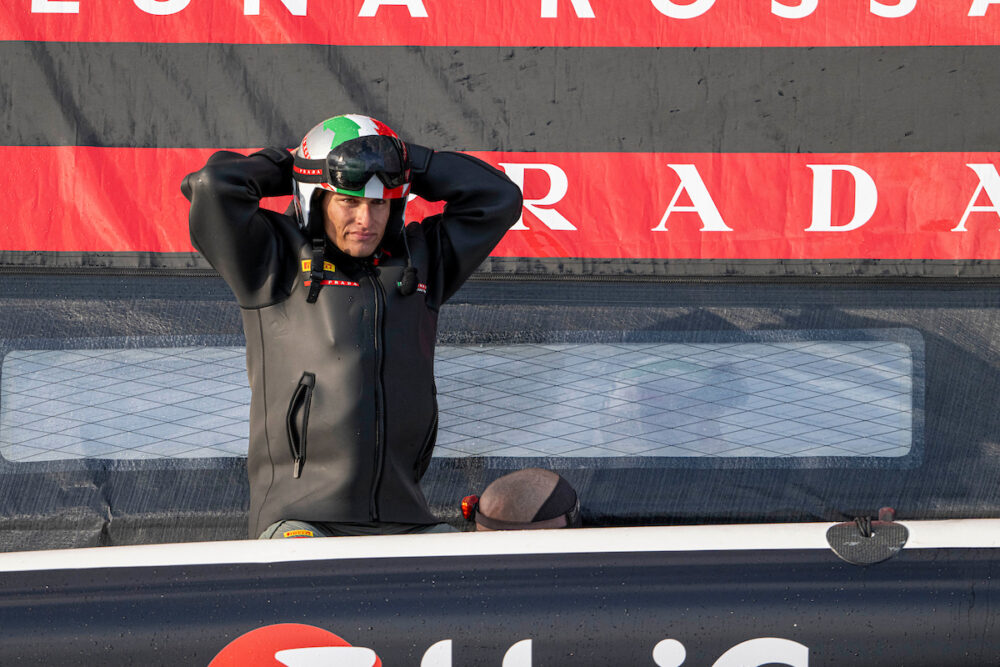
x: 352, y: 164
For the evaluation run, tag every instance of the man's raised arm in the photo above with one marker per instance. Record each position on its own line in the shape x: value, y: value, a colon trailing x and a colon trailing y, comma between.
x: 227, y: 224
x: 481, y: 205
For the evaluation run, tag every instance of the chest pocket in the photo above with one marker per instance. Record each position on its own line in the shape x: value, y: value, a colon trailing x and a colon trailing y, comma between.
x: 297, y: 421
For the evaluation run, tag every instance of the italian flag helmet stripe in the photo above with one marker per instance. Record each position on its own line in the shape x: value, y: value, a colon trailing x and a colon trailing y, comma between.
x: 351, y: 126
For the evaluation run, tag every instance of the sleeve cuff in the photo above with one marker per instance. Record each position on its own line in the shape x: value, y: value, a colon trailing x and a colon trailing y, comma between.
x: 420, y: 158
x: 278, y: 156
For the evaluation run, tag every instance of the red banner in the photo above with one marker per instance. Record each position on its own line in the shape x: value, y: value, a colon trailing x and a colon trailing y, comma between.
x: 600, y: 205
x: 736, y: 23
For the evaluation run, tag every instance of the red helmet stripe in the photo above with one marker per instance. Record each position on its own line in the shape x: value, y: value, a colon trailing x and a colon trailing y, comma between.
x: 383, y: 129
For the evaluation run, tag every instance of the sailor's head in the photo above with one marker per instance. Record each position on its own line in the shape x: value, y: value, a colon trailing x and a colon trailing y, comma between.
x: 352, y: 177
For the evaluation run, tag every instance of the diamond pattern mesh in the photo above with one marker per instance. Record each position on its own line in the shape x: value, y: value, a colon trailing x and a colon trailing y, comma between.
x: 757, y: 399
x: 791, y: 399
x: 124, y: 403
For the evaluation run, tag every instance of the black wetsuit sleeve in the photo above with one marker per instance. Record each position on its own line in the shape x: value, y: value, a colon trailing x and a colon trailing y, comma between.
x: 481, y: 204
x: 229, y: 228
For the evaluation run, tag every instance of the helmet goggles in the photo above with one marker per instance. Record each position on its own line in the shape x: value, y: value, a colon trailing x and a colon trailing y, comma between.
x: 350, y: 165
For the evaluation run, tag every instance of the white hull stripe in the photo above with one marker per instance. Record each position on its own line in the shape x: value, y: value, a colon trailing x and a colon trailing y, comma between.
x: 962, y: 533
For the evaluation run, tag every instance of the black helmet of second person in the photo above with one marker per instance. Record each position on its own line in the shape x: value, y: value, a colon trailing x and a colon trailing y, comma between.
x: 352, y: 155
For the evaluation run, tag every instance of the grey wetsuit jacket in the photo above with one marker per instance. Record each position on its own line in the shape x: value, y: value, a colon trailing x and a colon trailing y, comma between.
x: 343, y: 414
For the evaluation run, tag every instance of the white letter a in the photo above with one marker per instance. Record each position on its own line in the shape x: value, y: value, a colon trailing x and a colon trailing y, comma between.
x: 416, y: 7
x: 989, y: 180
x: 701, y: 201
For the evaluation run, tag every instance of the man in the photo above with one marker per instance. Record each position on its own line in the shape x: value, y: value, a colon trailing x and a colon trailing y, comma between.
x: 525, y: 500
x: 339, y: 308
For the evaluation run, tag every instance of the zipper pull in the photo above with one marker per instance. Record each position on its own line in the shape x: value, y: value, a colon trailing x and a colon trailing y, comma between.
x: 297, y: 467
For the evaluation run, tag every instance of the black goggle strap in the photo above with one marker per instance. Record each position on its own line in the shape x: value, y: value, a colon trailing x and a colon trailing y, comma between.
x: 316, y: 273
x: 309, y: 171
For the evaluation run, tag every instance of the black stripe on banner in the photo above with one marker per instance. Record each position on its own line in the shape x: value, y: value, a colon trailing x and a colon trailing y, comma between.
x: 546, y: 99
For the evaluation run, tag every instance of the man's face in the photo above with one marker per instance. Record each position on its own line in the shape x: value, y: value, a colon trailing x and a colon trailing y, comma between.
x: 355, y: 224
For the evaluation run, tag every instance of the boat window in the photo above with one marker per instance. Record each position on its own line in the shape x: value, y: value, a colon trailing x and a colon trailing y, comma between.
x: 802, y: 395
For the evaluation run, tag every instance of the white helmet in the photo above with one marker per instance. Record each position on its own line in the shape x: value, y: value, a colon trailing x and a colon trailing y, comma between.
x: 353, y: 155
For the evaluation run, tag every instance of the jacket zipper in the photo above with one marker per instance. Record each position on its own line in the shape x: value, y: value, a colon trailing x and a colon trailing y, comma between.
x: 379, y: 397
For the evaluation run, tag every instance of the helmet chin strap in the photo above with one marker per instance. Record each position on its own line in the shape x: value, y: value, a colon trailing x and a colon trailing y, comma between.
x: 316, y: 272
x: 316, y: 231
x: 408, y: 283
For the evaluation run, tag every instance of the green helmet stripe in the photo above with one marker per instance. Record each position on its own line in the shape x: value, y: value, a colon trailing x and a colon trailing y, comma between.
x: 343, y: 128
